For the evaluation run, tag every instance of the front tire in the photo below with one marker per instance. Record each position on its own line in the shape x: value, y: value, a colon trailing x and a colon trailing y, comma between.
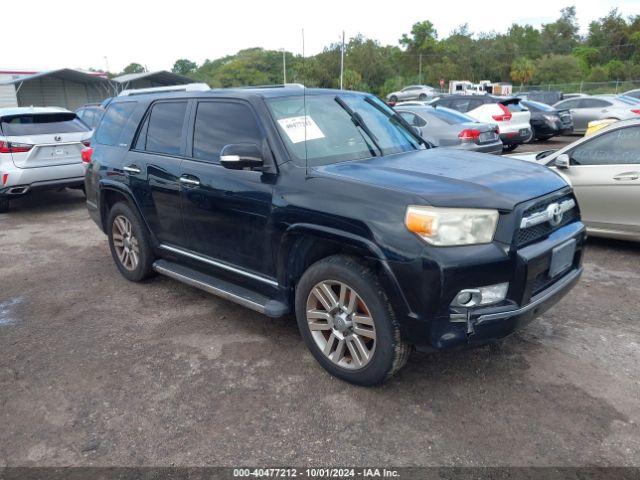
x: 129, y: 243
x: 4, y: 204
x: 345, y: 319
x: 393, y: 99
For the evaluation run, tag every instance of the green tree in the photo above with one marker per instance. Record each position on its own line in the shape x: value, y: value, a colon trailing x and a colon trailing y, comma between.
x: 557, y: 69
x: 133, y: 68
x: 184, y: 66
x: 561, y: 36
x: 522, y: 69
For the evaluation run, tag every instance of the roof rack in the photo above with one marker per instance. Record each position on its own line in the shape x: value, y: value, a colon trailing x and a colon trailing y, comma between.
x: 188, y: 87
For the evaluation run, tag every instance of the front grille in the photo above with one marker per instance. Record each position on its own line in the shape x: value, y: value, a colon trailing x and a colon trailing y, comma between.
x: 525, y: 236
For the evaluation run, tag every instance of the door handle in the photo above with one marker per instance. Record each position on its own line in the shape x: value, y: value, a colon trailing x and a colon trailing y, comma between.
x: 190, y: 180
x: 627, y: 176
x: 131, y: 169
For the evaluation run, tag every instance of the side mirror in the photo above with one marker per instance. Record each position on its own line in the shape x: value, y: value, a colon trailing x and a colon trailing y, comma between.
x: 562, y: 161
x: 241, y: 155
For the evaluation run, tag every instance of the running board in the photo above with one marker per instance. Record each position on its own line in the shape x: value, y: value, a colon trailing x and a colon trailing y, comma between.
x: 222, y: 288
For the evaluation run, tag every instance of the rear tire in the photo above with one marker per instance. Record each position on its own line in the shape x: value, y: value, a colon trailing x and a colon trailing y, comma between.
x: 4, y: 204
x: 422, y: 97
x: 372, y: 349
x: 393, y: 99
x: 129, y: 243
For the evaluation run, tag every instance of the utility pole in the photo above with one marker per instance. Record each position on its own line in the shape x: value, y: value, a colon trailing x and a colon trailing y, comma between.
x: 420, y: 69
x: 284, y: 66
x: 106, y: 62
x: 342, y: 61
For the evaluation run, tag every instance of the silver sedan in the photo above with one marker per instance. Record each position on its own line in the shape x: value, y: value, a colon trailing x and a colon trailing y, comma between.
x: 444, y: 127
x: 412, y: 92
x: 598, y: 107
x: 604, y: 170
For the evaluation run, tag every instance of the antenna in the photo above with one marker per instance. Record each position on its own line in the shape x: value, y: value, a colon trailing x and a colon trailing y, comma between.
x: 304, y: 109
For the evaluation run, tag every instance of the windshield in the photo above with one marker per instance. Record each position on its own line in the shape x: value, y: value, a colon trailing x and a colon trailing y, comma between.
x: 333, y: 134
x: 42, y: 123
x: 452, y: 117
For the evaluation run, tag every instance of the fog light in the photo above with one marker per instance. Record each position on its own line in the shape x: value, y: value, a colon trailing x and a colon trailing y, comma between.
x: 473, y: 297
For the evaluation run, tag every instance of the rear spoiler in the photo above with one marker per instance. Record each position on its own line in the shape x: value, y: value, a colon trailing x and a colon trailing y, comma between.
x: 508, y: 101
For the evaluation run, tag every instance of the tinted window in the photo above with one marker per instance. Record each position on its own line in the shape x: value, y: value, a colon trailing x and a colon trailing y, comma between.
x: 44, y: 123
x: 568, y: 104
x: 538, y: 106
x: 460, y: 104
x: 516, y: 107
x: 222, y: 123
x: 621, y: 146
x: 451, y: 117
x: 413, y: 119
x: 164, y: 133
x: 594, y: 103
x: 113, y: 122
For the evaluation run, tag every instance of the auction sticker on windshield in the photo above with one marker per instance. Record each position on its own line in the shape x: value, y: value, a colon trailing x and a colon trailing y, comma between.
x: 300, y: 128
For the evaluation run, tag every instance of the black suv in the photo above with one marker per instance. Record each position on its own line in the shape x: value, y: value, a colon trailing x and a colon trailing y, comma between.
x: 326, y: 204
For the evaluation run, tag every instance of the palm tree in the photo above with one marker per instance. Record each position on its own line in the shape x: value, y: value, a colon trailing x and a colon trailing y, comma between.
x: 522, y: 69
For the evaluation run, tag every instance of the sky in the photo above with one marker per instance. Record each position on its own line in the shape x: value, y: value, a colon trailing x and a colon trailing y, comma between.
x: 156, y: 33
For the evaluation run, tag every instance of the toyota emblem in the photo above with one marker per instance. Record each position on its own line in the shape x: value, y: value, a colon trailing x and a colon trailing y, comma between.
x: 555, y: 214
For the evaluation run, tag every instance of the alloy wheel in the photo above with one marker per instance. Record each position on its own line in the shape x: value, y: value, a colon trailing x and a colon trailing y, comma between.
x: 341, y: 324
x: 125, y: 243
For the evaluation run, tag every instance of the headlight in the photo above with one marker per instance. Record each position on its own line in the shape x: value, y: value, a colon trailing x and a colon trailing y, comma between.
x: 452, y: 226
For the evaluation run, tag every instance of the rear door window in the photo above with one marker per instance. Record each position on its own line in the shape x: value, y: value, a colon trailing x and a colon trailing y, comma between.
x: 594, y: 103
x: 42, y: 124
x: 164, y: 131
x: 222, y: 123
x: 113, y: 122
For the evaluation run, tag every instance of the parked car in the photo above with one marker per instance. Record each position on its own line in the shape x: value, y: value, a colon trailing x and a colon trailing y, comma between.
x: 633, y: 93
x: 543, y: 96
x: 595, y: 125
x: 328, y: 204
x: 40, y: 148
x: 412, y: 92
x: 511, y: 118
x: 604, y: 170
x: 586, y: 109
x: 443, y: 127
x: 546, y: 121
x: 90, y: 115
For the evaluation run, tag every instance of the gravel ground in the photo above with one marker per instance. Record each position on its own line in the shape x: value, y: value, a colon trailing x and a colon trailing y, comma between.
x: 95, y: 370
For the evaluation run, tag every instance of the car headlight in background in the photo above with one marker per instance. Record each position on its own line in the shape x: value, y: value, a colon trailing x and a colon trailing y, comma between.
x: 452, y: 226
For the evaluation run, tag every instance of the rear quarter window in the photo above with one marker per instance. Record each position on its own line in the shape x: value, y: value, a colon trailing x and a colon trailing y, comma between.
x: 42, y: 124
x: 113, y: 122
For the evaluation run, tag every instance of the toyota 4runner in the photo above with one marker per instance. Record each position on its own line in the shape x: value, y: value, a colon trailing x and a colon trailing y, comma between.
x: 327, y: 204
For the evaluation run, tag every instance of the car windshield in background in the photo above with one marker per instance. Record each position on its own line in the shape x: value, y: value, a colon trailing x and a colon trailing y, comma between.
x: 40, y: 124
x: 452, y: 117
x: 515, y: 107
x: 333, y: 134
x: 543, y: 107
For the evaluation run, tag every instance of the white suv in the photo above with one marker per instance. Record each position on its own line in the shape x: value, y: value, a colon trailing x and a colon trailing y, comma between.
x: 513, y: 119
x: 40, y: 148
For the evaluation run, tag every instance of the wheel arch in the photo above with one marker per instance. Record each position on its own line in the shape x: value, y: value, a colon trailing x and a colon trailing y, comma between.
x: 112, y: 193
x: 304, y: 244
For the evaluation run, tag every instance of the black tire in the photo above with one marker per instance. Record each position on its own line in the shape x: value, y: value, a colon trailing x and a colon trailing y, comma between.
x: 393, y: 99
x: 144, y: 266
x: 391, y: 352
x: 510, y: 148
x: 422, y: 97
x: 4, y: 204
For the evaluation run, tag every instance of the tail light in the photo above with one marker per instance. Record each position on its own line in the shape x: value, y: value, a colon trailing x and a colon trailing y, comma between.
x: 86, y: 143
x: 13, y: 147
x: 504, y: 116
x: 5, y: 177
x: 86, y: 155
x: 469, y: 134
x: 636, y: 111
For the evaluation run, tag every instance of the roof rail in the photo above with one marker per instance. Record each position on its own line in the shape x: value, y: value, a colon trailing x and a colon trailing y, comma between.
x: 276, y: 85
x: 188, y: 87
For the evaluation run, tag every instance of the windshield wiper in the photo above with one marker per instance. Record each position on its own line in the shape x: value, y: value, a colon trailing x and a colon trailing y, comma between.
x: 394, y: 117
x: 358, y: 121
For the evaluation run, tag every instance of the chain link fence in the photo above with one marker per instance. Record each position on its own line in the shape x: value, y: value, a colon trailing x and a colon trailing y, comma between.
x: 592, y: 88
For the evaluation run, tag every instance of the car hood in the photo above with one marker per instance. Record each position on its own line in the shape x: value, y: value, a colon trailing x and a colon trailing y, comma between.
x: 452, y: 178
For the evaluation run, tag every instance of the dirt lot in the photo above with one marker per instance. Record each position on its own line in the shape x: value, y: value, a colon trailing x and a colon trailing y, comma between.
x: 95, y: 370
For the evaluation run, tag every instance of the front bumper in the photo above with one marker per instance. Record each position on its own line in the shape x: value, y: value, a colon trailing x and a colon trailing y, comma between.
x: 531, y: 292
